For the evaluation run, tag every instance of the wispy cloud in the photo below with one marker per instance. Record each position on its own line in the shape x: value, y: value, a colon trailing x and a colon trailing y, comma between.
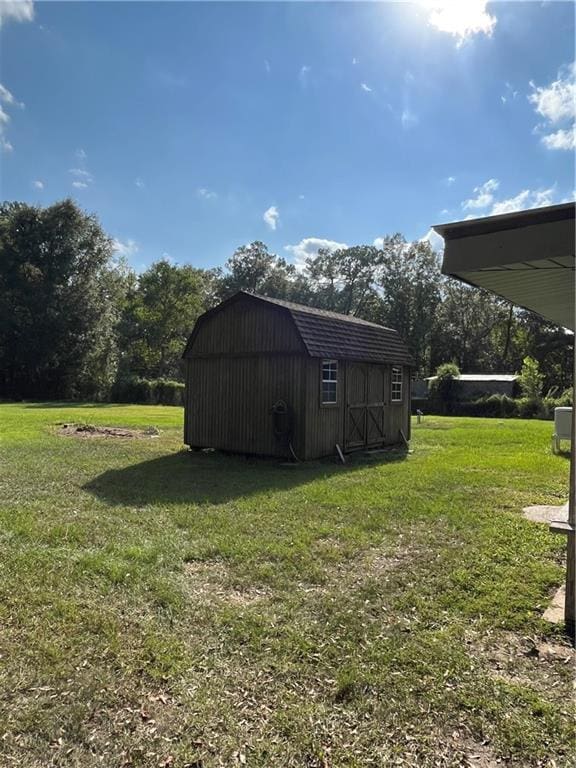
x: 37, y: 184
x: 355, y: 61
x: 81, y: 176
x: 556, y: 103
x: 8, y: 100
x: 485, y: 203
x: 450, y: 180
x: 304, y: 75
x: 206, y: 194
x: 80, y: 173
x: 365, y: 88
x: 267, y: 66
x: 463, y: 19
x: 484, y: 195
x: 309, y: 246
x: 408, y: 118
x: 6, y: 97
x: 271, y: 217
x: 139, y: 183
x: 125, y: 248
x: 509, y: 94
x: 16, y: 10
x: 527, y: 198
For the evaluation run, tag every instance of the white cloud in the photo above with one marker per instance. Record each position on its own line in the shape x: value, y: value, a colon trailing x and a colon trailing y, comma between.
x: 310, y: 246
x: 267, y: 66
x: 38, y: 184
x: 8, y: 99
x: 354, y: 61
x: 82, y: 174
x: 565, y: 138
x: 527, y: 198
x: 125, y: 248
x: 484, y: 195
x: 5, y: 95
x: 82, y: 178
x: 461, y: 18
x: 556, y: 103
x: 271, y: 217
x: 16, y: 10
x: 365, y: 88
x: 139, y: 183
x: 301, y: 197
x: 450, y: 180
x: 433, y: 238
x: 206, y: 194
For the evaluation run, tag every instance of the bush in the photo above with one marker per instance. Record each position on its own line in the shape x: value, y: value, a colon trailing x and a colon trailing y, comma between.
x: 148, y: 391
x: 443, y: 389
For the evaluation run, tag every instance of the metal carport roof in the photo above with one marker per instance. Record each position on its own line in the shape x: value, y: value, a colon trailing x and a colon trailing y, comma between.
x: 526, y: 257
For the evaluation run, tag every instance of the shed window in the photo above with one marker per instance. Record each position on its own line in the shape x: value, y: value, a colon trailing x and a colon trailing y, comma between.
x: 397, y: 384
x: 329, y: 382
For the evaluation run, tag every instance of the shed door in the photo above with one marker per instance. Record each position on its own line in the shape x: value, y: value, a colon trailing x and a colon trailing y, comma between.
x: 375, y: 405
x: 364, y: 405
x: 356, y: 377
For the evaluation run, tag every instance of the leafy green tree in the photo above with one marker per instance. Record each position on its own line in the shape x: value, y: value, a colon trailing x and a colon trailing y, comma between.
x: 160, y: 312
x: 468, y: 325
x: 344, y: 280
x: 409, y: 285
x: 253, y: 268
x: 60, y: 293
x: 530, y: 379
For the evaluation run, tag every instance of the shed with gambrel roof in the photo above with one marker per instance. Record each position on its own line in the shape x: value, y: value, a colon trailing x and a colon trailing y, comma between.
x: 270, y: 377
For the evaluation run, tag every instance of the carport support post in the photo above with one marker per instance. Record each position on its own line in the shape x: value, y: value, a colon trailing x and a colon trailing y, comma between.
x: 570, y: 604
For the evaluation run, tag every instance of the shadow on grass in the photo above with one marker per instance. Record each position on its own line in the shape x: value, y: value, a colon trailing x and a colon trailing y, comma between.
x: 214, y: 478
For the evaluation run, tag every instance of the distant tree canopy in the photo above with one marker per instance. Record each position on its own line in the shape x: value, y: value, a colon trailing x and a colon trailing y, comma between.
x: 74, y: 320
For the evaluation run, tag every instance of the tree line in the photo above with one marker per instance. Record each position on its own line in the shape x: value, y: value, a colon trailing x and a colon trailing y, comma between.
x: 75, y: 320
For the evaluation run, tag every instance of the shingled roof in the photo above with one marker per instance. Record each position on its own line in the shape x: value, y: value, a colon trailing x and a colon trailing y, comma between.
x: 343, y: 337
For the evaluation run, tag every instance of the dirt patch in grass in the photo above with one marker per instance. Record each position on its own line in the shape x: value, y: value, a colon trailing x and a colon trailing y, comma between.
x: 210, y: 581
x: 542, y: 665
x: 90, y: 431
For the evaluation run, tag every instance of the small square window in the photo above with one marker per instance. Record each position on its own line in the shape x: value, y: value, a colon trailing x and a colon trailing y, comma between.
x: 397, y: 384
x: 329, y: 389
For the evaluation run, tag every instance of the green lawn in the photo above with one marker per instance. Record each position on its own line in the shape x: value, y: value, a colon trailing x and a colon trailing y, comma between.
x: 162, y: 608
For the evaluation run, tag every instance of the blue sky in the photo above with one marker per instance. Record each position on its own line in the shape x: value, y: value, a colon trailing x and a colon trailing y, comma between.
x: 192, y: 128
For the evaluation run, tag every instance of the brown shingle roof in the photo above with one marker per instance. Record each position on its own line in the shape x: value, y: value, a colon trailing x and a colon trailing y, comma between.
x: 329, y: 334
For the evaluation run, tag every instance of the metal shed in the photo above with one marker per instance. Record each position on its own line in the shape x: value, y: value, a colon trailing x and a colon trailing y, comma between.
x: 270, y: 377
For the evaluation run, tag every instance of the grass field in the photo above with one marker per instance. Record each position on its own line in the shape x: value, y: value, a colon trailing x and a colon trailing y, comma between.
x: 162, y: 608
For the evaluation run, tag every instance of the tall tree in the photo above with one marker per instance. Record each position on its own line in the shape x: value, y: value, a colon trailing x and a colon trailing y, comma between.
x: 469, y: 327
x: 160, y: 312
x: 409, y: 284
x: 344, y: 280
x: 59, y: 298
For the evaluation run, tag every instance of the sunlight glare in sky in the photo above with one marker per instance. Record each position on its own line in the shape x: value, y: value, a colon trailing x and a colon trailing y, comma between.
x: 460, y: 18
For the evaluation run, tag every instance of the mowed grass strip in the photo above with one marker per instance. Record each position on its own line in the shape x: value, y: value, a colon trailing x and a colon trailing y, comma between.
x: 163, y: 608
